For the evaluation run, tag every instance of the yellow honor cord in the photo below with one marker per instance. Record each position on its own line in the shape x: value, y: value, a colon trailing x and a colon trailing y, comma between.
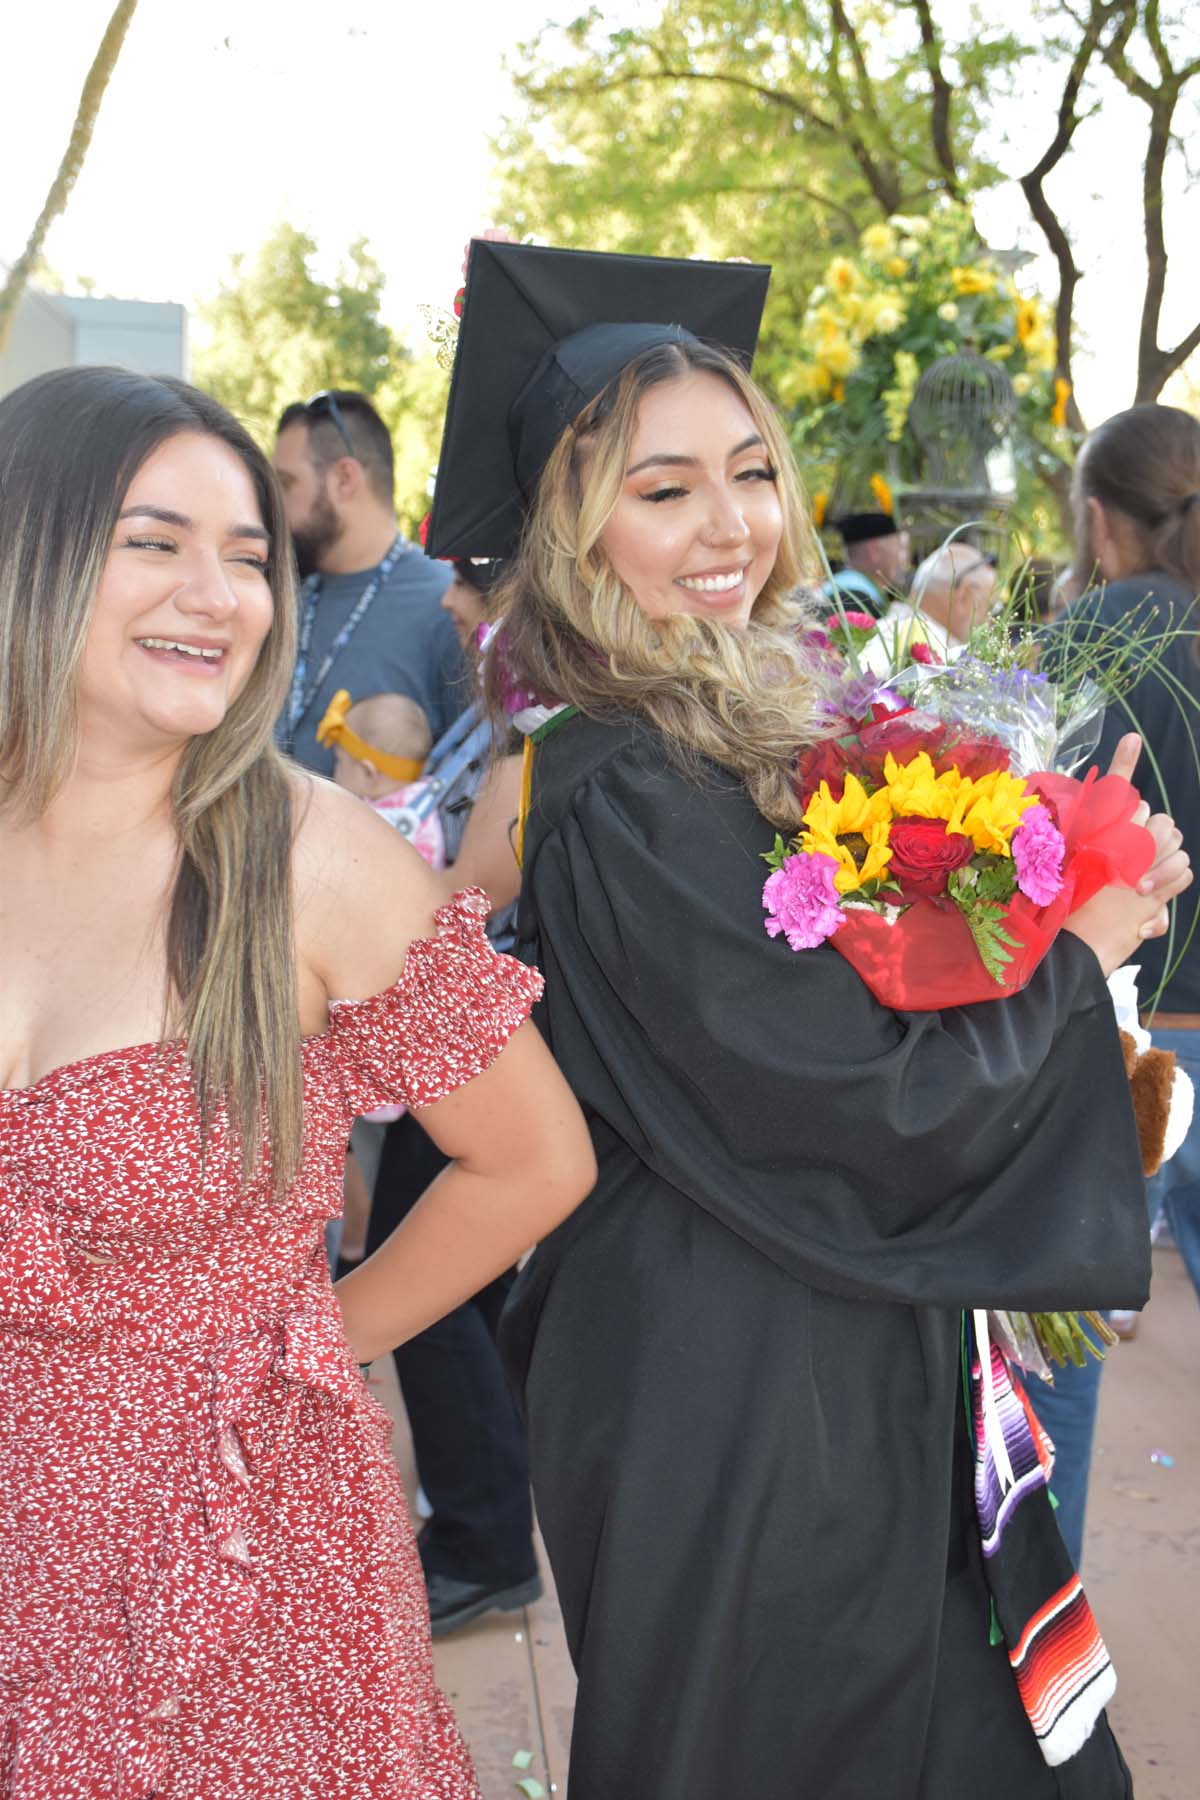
x: 526, y: 800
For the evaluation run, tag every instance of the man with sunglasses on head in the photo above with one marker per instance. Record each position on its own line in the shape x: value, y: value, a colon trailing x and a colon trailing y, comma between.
x: 371, y: 618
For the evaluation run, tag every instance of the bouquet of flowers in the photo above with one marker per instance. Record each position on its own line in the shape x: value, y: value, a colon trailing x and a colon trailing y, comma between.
x: 943, y: 848
x: 941, y: 852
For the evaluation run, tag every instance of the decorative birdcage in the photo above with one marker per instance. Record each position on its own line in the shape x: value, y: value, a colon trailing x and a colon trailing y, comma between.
x: 960, y: 418
x: 961, y: 414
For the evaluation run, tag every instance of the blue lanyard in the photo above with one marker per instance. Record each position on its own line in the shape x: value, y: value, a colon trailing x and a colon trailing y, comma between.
x: 302, y: 695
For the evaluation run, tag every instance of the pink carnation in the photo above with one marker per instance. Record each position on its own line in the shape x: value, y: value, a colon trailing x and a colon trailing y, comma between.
x: 802, y: 901
x: 857, y: 621
x: 1038, y: 850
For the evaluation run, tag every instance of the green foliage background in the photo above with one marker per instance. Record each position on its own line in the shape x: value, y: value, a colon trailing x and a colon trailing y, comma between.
x: 275, y: 332
x: 781, y: 130
x: 736, y: 129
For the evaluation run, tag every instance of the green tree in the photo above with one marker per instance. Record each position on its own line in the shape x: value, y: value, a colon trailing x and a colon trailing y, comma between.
x: 781, y: 129
x: 746, y: 127
x: 275, y: 332
x: 86, y: 113
x: 412, y: 401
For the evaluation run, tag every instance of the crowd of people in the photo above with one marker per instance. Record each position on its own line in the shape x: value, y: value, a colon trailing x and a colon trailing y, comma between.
x: 299, y: 824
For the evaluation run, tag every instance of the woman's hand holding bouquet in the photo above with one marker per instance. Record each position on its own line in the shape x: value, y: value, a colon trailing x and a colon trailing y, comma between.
x: 1115, y: 920
x: 941, y: 853
x: 941, y: 850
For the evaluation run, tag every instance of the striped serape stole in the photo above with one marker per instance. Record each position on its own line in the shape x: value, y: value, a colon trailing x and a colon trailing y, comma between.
x: 1062, y: 1668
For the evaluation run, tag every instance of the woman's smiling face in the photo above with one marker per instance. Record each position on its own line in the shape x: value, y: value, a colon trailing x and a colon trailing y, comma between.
x: 697, y: 526
x: 184, y: 604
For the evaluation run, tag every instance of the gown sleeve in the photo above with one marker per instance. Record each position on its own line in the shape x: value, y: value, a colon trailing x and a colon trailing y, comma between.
x: 985, y: 1155
x: 446, y: 1020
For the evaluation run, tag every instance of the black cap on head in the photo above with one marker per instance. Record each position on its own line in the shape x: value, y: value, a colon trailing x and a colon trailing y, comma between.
x: 480, y: 572
x: 543, y: 332
x: 857, y: 527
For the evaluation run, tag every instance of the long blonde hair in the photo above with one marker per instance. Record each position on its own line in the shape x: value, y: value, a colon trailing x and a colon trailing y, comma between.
x: 572, y: 631
x: 70, y: 444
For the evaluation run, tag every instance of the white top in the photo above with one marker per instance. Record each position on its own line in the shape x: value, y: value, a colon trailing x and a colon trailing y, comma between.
x: 902, y: 626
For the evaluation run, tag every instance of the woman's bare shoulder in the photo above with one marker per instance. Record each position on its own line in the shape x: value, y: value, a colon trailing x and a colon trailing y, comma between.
x: 362, y: 893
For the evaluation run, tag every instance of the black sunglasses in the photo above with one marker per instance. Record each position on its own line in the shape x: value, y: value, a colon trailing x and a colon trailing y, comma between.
x: 324, y: 406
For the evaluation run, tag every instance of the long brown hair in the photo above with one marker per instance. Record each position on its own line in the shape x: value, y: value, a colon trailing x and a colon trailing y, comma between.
x: 1144, y: 464
x: 744, y: 699
x: 71, y: 442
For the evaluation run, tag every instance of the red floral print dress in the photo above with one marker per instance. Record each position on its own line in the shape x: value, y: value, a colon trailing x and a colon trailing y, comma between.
x: 209, y: 1588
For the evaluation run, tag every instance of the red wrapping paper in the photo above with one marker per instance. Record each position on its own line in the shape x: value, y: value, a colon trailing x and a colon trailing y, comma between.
x: 927, y: 959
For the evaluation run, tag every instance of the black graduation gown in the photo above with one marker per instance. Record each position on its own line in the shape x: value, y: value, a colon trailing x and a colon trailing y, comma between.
x: 741, y: 1356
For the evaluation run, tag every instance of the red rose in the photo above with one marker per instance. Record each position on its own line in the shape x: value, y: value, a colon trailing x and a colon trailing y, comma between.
x: 906, y: 733
x: 924, y: 853
x: 923, y: 653
x: 971, y: 754
x: 823, y: 761
x: 903, y: 734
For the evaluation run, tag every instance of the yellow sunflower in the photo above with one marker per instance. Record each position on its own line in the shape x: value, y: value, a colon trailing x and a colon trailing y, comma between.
x: 915, y: 792
x: 972, y: 279
x: 864, y: 819
x: 989, y: 810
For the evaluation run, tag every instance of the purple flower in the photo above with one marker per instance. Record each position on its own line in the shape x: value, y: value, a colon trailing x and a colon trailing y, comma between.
x: 802, y: 900
x: 1038, y: 850
x: 861, y: 692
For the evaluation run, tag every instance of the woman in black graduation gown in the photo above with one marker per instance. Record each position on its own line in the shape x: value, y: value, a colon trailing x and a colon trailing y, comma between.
x: 741, y: 1358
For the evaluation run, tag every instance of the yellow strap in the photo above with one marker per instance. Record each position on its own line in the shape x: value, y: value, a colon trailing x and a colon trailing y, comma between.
x: 333, y: 729
x: 526, y: 800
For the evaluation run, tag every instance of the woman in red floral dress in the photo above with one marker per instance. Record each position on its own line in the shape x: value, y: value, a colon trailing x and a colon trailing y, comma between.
x: 209, y: 965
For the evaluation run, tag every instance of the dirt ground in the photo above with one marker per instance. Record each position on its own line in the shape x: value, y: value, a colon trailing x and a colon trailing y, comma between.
x: 510, y: 1681
x: 1141, y: 1558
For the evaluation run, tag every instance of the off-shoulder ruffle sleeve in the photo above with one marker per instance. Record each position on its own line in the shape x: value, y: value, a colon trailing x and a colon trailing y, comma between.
x: 455, y: 1006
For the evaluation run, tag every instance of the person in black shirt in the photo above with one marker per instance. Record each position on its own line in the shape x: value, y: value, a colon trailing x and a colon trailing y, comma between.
x: 1137, y: 513
x: 1137, y: 500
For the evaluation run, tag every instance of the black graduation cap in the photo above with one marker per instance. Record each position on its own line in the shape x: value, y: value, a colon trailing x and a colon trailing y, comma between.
x: 542, y: 333
x: 859, y: 527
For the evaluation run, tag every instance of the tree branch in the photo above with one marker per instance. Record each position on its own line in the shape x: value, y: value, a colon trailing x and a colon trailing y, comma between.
x: 881, y: 178
x: 1170, y: 360
x: 774, y: 96
x: 1033, y: 184
x: 1155, y: 365
x: 1148, y: 379
x: 939, y: 120
x: 864, y: 86
x: 777, y: 189
x: 94, y: 85
x: 1114, y: 55
x: 1154, y: 38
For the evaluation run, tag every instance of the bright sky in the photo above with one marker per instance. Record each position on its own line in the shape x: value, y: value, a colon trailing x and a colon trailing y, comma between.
x: 372, y: 116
